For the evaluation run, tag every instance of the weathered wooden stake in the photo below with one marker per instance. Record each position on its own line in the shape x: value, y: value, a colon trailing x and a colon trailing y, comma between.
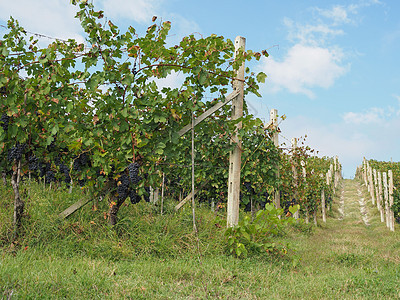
x: 235, y: 159
x: 162, y: 193
x: 323, y: 205
x: 386, y: 195
x: 380, y: 206
x: 295, y: 179
x: 273, y: 118
x: 391, y: 214
x: 371, y: 185
x: 376, y: 186
x: 303, y: 166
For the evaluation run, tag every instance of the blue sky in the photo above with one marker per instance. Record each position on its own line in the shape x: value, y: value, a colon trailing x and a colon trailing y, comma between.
x: 333, y: 70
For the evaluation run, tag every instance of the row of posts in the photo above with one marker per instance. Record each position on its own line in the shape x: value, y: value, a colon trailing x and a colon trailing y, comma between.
x: 380, y: 186
x: 333, y: 175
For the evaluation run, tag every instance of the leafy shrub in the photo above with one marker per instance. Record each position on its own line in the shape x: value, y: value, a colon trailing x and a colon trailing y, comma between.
x: 251, y: 237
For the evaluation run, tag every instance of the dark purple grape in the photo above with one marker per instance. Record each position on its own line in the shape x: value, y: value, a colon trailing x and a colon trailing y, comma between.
x: 133, y: 170
x: 134, y: 197
x: 4, y: 121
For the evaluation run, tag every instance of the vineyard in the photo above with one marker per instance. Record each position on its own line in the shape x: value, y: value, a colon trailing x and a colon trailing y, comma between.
x: 381, y: 179
x: 93, y: 117
x: 93, y: 123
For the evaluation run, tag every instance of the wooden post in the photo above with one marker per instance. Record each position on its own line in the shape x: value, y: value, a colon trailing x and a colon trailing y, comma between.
x: 235, y: 159
x: 303, y: 168
x: 156, y: 195
x: 337, y: 171
x: 367, y: 177
x: 365, y: 171
x: 386, y: 195
x: 295, y: 179
x: 376, y: 186
x: 371, y: 185
x: 323, y: 205
x: 380, y: 208
x: 162, y: 193
x: 331, y: 176
x: 391, y: 214
x: 273, y: 118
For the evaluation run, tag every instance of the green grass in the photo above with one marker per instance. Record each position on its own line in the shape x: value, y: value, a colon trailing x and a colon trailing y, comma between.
x: 148, y: 256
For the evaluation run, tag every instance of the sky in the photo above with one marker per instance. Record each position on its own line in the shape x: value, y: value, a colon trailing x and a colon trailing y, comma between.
x: 333, y: 69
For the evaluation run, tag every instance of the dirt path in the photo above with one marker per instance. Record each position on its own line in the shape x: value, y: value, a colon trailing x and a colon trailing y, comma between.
x: 353, y: 255
x: 354, y: 202
x: 353, y: 230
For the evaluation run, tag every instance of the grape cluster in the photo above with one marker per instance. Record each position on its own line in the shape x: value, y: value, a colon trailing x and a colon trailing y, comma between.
x: 147, y: 194
x: 133, y: 170
x: 81, y: 161
x: 50, y: 176
x: 123, y: 187
x: 15, y: 153
x: 65, y: 171
x: 33, y: 163
x: 43, y: 168
x: 134, y: 197
x: 4, y: 121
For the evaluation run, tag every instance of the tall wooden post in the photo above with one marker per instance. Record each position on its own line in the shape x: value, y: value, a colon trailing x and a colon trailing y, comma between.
x: 371, y: 184
x: 376, y: 186
x: 273, y: 118
x: 295, y: 178
x: 323, y: 203
x: 380, y: 206
x: 235, y: 159
x: 303, y: 167
x: 386, y: 195
x: 390, y: 173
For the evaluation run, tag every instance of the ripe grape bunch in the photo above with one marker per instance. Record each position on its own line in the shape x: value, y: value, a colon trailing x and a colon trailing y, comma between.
x: 133, y: 170
x: 15, y: 153
x: 33, y: 163
x: 135, y: 198
x: 50, y: 176
x: 123, y: 187
x: 81, y: 161
x: 4, y: 121
x: 65, y: 171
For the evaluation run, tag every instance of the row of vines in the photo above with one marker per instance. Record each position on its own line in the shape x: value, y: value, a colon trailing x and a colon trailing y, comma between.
x: 382, y: 180
x: 97, y: 116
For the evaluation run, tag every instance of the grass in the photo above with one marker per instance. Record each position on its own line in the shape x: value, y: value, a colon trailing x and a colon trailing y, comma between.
x: 148, y: 256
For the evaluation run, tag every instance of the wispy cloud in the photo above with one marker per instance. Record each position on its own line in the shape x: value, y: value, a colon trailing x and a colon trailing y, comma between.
x: 140, y: 11
x: 310, y: 62
x: 314, y: 60
x: 350, y: 144
x: 54, y: 18
x: 305, y: 67
x: 345, y: 14
x: 373, y: 115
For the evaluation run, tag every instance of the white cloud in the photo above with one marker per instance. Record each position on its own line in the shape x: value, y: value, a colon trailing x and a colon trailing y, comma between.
x: 181, y: 27
x: 310, y: 34
x: 344, y: 14
x: 54, y: 18
x: 173, y: 80
x: 350, y: 143
x: 140, y: 11
x: 338, y: 13
x: 373, y: 115
x: 303, y: 68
